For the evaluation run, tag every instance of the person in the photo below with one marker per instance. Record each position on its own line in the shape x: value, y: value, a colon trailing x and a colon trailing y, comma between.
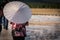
x: 19, y: 31
x: 5, y: 21
x: 0, y: 19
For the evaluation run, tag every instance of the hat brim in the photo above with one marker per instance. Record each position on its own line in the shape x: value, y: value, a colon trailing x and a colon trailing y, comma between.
x: 17, y: 12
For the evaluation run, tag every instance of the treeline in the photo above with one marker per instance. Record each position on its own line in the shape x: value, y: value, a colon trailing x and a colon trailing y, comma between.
x: 43, y: 5
x: 38, y: 3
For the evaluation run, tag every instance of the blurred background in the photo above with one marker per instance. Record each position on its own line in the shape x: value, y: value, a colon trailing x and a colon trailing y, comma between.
x: 44, y: 23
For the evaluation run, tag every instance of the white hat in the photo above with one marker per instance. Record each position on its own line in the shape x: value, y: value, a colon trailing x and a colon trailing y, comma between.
x: 17, y: 12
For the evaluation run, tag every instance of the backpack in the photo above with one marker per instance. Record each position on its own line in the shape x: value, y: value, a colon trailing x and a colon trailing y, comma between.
x: 18, y: 30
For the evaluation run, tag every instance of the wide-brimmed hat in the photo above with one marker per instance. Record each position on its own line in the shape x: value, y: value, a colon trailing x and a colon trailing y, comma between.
x: 17, y: 12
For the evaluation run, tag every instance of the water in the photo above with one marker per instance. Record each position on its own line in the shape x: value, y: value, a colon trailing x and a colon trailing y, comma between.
x: 43, y: 18
x: 38, y: 32
x: 43, y: 32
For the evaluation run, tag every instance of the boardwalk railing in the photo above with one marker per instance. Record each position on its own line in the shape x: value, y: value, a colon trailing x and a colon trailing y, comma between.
x: 42, y: 11
x: 44, y: 23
